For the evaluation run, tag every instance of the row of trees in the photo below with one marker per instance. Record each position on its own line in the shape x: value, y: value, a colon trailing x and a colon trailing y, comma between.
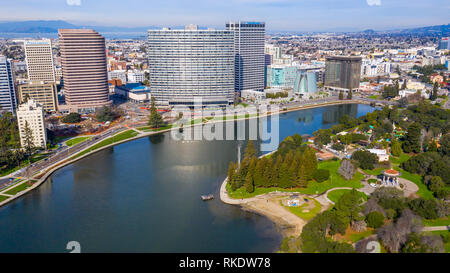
x: 293, y: 165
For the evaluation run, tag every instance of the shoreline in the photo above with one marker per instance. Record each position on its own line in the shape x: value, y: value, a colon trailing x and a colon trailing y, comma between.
x: 42, y: 177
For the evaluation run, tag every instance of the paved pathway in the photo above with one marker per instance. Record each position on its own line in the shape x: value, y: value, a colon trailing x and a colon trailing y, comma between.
x: 438, y: 228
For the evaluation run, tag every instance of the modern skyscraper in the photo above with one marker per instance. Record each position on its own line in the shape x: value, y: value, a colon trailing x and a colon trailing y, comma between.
x: 190, y: 63
x: 39, y: 57
x: 43, y: 93
x: 342, y: 73
x: 444, y: 44
x: 305, y: 83
x: 8, y: 100
x: 83, y: 59
x: 31, y: 115
x: 249, y: 55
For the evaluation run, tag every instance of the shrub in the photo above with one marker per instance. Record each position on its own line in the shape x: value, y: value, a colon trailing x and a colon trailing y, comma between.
x: 72, y: 118
x: 321, y: 175
x: 375, y: 219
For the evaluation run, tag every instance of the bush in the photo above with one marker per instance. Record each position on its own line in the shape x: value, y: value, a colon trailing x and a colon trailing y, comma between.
x: 72, y: 118
x: 321, y: 175
x: 375, y: 219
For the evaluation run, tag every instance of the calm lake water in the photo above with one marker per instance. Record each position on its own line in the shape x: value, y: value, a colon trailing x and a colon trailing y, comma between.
x: 144, y: 196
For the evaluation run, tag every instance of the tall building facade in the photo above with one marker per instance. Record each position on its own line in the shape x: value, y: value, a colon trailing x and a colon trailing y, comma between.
x: 83, y: 59
x: 31, y: 114
x: 43, y: 93
x: 305, y: 83
x: 249, y: 55
x: 39, y: 57
x: 342, y: 73
x: 444, y: 44
x: 8, y: 100
x: 190, y: 63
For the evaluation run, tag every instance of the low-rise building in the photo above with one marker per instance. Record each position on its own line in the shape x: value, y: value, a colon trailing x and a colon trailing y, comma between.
x: 135, y: 76
x: 134, y: 92
x: 381, y: 154
x: 31, y: 115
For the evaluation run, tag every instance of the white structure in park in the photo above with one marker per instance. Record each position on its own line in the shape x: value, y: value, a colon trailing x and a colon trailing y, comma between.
x: 381, y: 154
x: 390, y: 177
x: 31, y: 114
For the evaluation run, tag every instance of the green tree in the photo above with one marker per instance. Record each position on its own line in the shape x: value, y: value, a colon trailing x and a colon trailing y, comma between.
x: 259, y: 172
x: 350, y: 95
x: 155, y: 120
x: 231, y: 173
x: 248, y: 185
x: 434, y: 93
x: 341, y: 95
x: 72, y: 118
x: 412, y: 139
x: 28, y: 141
x: 396, y: 148
x: 348, y: 207
x: 375, y: 219
x: 250, y: 150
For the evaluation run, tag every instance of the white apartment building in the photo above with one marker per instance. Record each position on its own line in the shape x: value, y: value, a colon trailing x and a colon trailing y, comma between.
x: 118, y: 74
x: 32, y: 114
x: 373, y: 68
x: 39, y: 57
x: 135, y: 76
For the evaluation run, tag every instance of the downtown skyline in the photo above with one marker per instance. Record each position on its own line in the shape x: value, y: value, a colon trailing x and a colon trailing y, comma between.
x: 284, y: 15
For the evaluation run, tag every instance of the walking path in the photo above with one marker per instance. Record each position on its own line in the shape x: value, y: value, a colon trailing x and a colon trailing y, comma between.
x: 438, y: 228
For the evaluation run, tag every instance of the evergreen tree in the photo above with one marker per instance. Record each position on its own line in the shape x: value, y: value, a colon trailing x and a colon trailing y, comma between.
x: 231, y: 173
x: 302, y: 177
x: 396, y: 148
x: 341, y: 95
x: 309, y: 161
x: 248, y: 185
x: 284, y: 180
x: 250, y: 150
x: 405, y: 82
x: 155, y: 120
x: 28, y: 140
x: 348, y: 207
x: 258, y: 176
x: 434, y: 93
x: 276, y: 171
x: 268, y: 175
x: 350, y: 95
x: 412, y: 139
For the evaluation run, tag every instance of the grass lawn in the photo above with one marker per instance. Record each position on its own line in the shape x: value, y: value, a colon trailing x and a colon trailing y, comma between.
x: 77, y: 140
x: 119, y: 137
x: 352, y: 236
x: 399, y: 160
x: 335, y: 180
x: 374, y: 97
x: 437, y: 222
x: 148, y: 129
x: 306, y: 215
x: 336, y: 195
x: 416, y: 179
x: 241, y: 193
x: 375, y: 172
x: 3, y: 198
x: 18, y: 189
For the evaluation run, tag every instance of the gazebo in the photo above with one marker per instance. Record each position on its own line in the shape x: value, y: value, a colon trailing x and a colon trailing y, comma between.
x: 390, y: 177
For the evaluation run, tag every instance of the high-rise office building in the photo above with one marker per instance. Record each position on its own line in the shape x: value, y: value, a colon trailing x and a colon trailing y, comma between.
x: 39, y: 57
x: 83, y: 59
x: 31, y: 115
x: 8, y: 100
x: 249, y: 55
x: 191, y: 63
x: 444, y: 44
x: 43, y: 93
x: 342, y: 73
x: 305, y: 83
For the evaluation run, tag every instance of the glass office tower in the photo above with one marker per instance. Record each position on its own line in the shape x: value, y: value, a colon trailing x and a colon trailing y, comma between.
x: 8, y: 100
x: 191, y: 63
x: 342, y: 73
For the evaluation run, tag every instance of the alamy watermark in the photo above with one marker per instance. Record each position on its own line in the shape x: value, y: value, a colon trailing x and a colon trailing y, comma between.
x: 200, y: 123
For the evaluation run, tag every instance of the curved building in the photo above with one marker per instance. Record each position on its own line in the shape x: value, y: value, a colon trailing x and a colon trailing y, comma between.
x: 191, y: 63
x: 305, y: 83
x: 83, y: 58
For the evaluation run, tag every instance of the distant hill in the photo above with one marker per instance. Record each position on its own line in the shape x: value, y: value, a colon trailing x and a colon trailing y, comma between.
x: 53, y: 26
x: 441, y: 30
x: 34, y: 26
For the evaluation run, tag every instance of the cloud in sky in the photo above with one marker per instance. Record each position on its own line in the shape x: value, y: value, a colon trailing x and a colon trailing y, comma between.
x: 73, y: 2
x: 373, y: 2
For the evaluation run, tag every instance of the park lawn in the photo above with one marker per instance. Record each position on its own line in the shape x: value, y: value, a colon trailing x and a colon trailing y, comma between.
x: 306, y: 215
x: 18, y: 189
x: 241, y: 193
x: 77, y: 140
x: 399, y: 160
x: 437, y: 222
x: 119, y: 137
x: 374, y: 97
x: 375, y: 172
x: 3, y: 198
x: 336, y: 195
x: 335, y: 180
x: 23, y: 164
x: 416, y: 179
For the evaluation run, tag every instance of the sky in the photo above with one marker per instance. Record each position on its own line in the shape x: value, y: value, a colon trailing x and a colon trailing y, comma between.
x: 279, y: 15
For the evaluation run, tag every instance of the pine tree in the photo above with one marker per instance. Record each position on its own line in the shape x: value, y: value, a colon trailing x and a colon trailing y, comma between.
x: 248, y: 185
x: 396, y: 148
x: 350, y: 95
x: 302, y: 177
x: 309, y: 161
x: 341, y: 95
x: 284, y: 180
x: 276, y: 171
x: 155, y: 120
x: 435, y: 91
x: 259, y: 172
x: 250, y: 151
x: 28, y: 139
x: 268, y: 175
x: 231, y: 173
x: 412, y: 141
